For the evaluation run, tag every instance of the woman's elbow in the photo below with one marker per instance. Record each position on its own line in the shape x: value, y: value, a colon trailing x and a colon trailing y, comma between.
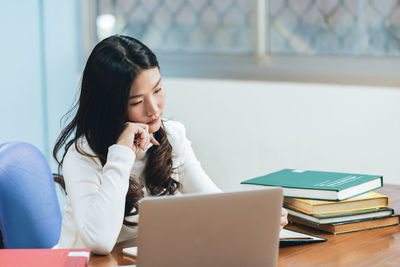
x: 100, y: 248
x: 99, y: 243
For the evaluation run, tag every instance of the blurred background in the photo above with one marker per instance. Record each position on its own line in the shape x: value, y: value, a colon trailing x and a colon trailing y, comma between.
x: 260, y: 85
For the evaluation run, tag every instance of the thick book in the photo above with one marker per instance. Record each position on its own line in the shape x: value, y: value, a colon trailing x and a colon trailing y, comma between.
x: 44, y: 257
x: 318, y: 184
x: 370, y: 200
x: 350, y: 226
x: 343, y: 216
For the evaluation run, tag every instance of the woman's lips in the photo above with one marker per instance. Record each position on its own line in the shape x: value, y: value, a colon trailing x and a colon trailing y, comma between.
x: 153, y: 121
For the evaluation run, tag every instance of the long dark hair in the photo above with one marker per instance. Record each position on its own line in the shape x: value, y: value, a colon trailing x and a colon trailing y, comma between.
x: 101, y: 114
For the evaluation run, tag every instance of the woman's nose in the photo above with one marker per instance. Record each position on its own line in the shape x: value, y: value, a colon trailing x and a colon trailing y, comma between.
x: 151, y: 108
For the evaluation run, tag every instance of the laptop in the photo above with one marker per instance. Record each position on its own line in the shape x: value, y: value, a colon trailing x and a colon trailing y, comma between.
x: 221, y: 229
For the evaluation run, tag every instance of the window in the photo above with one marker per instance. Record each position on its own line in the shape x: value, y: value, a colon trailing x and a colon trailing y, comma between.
x: 188, y: 26
x: 339, y: 41
x: 339, y: 27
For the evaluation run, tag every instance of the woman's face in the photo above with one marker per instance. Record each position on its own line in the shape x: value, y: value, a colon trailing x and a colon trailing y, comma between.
x: 146, y: 99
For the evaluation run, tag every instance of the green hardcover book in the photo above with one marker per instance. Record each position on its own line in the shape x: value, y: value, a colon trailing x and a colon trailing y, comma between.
x: 341, y: 217
x: 318, y: 184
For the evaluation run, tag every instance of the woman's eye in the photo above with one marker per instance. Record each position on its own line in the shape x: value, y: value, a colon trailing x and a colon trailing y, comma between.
x: 158, y: 90
x: 136, y: 103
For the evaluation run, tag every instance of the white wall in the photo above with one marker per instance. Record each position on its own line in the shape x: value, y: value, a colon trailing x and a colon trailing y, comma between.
x: 21, y: 87
x: 64, y: 63
x: 243, y: 129
x: 41, y: 54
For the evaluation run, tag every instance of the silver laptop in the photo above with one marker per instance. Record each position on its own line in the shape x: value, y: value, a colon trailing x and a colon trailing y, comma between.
x: 222, y: 229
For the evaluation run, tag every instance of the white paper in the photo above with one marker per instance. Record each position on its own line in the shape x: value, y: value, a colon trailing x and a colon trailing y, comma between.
x: 289, y: 234
x: 130, y: 251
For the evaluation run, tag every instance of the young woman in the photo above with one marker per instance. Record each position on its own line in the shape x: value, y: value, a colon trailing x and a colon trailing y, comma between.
x: 118, y: 149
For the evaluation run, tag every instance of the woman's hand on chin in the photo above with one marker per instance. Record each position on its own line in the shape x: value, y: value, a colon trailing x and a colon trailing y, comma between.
x: 136, y: 136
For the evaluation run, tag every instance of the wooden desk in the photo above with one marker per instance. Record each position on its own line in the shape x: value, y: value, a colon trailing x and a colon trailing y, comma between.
x: 377, y: 247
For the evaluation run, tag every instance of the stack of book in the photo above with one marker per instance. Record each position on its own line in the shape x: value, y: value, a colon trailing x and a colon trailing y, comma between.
x: 332, y: 202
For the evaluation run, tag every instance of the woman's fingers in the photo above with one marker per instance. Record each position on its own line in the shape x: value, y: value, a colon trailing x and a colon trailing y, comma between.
x: 154, y: 141
x: 145, y: 137
x: 140, y: 138
x: 151, y: 138
x: 136, y: 136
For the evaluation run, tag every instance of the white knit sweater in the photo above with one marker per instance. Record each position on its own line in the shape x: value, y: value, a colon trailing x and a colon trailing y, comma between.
x: 95, y: 205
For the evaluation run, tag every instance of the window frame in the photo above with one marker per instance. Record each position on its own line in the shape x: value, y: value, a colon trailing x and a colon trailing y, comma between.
x: 263, y: 66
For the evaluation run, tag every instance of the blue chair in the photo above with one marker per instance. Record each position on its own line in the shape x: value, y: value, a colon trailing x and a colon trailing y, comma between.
x: 30, y: 216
